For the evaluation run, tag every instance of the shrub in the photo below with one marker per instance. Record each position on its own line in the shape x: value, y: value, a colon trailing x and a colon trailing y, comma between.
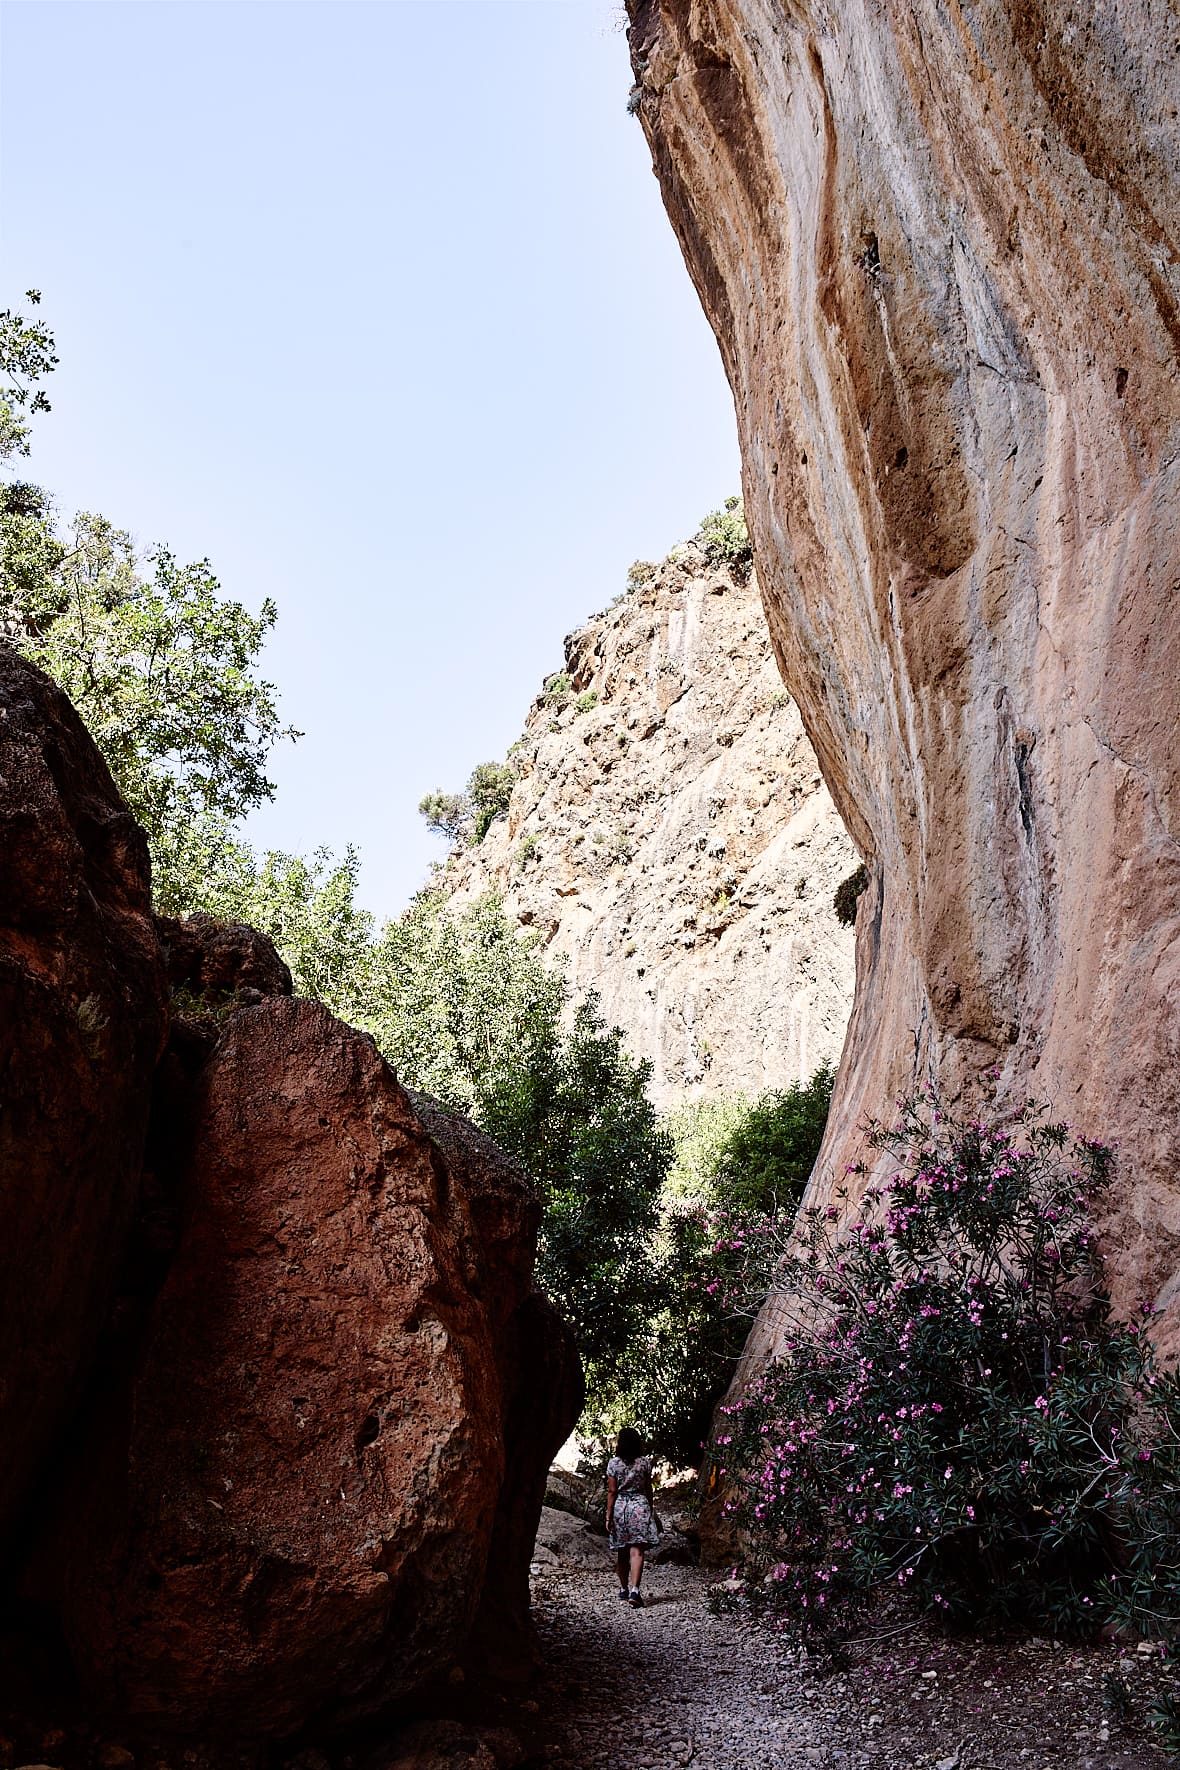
x: 466, y: 817
x: 954, y: 1412
x: 581, y: 1124
x: 732, y: 1158
x: 766, y: 1159
x: 557, y: 690
x: 640, y: 571
x: 847, y: 892
x: 489, y: 790
x: 529, y: 847
x: 726, y: 539
x: 586, y: 701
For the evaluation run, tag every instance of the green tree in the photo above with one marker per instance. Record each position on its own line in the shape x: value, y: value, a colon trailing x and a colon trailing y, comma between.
x: 161, y: 666
x: 161, y: 669
x: 464, y: 1009
x: 29, y: 551
x: 580, y: 1122
x: 446, y: 814
x: 26, y: 357
x: 466, y: 817
x: 307, y: 906
x: 765, y: 1160
x: 489, y: 790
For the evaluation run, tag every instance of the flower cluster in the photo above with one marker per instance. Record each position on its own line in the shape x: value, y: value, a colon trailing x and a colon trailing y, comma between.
x: 954, y: 1412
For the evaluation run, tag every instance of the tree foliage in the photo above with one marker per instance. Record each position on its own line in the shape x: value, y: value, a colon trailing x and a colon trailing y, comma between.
x: 465, y: 818
x: 26, y: 357
x: 726, y: 538
x: 765, y: 1160
x: 161, y: 668
x: 739, y: 1168
x: 464, y: 1009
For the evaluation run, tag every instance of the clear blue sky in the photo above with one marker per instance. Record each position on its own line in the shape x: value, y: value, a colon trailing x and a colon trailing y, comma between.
x: 376, y: 307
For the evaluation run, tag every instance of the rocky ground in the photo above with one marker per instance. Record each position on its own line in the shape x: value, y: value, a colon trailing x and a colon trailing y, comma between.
x: 674, y: 1685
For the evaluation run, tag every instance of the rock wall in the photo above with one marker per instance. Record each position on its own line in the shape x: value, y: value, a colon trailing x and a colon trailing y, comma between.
x: 675, y: 842
x: 939, y: 248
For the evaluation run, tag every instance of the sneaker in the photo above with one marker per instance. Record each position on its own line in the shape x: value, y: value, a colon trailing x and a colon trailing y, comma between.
x: 623, y: 1595
x: 636, y: 1598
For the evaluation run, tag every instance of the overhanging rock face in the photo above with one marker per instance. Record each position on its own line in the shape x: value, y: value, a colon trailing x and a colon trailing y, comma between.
x: 939, y: 248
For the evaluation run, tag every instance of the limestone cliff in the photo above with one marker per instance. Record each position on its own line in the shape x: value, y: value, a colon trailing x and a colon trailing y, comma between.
x: 940, y: 248
x: 670, y: 834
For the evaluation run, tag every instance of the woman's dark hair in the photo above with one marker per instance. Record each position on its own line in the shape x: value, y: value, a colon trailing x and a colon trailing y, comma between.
x: 630, y: 1445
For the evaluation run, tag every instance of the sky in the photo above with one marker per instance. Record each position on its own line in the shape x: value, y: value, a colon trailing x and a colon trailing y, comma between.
x: 376, y: 307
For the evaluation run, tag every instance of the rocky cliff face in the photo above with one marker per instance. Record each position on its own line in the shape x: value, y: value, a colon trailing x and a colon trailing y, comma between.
x: 671, y: 836
x: 940, y: 248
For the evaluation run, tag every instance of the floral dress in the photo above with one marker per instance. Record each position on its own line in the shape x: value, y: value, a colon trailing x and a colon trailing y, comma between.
x: 634, y: 1527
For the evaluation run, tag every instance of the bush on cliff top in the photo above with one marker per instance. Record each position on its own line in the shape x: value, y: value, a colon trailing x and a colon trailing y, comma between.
x: 954, y: 1413
x: 726, y: 538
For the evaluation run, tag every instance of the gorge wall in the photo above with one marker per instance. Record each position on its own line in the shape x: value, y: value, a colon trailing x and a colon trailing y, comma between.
x: 938, y: 245
x: 671, y: 836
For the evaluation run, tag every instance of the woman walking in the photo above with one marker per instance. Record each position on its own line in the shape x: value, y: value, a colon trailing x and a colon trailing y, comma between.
x: 630, y: 1517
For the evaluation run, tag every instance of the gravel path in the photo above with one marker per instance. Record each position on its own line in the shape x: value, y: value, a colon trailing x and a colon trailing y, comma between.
x: 672, y: 1685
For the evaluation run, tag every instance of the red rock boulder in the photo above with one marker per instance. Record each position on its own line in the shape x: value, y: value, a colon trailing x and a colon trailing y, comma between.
x: 540, y: 1376
x: 82, y: 1020
x: 215, y: 961
x: 290, y: 1517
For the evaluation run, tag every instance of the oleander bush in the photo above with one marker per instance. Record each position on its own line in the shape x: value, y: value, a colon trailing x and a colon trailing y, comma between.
x: 955, y: 1412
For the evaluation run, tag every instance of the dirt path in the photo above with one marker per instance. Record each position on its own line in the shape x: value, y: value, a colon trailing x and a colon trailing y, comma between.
x: 673, y: 1685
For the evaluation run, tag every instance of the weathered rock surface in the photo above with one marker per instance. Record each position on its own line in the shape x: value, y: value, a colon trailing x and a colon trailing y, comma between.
x: 940, y: 248
x: 541, y: 1382
x: 214, y: 960
x: 82, y: 1020
x: 674, y: 840
x: 292, y: 1514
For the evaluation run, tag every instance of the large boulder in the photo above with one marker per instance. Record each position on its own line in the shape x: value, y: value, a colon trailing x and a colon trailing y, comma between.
x: 82, y: 1020
x: 211, y: 962
x: 290, y: 1515
x: 540, y: 1375
x: 940, y: 248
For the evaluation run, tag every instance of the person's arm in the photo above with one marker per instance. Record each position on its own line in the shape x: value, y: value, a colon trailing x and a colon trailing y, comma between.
x: 612, y: 1488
